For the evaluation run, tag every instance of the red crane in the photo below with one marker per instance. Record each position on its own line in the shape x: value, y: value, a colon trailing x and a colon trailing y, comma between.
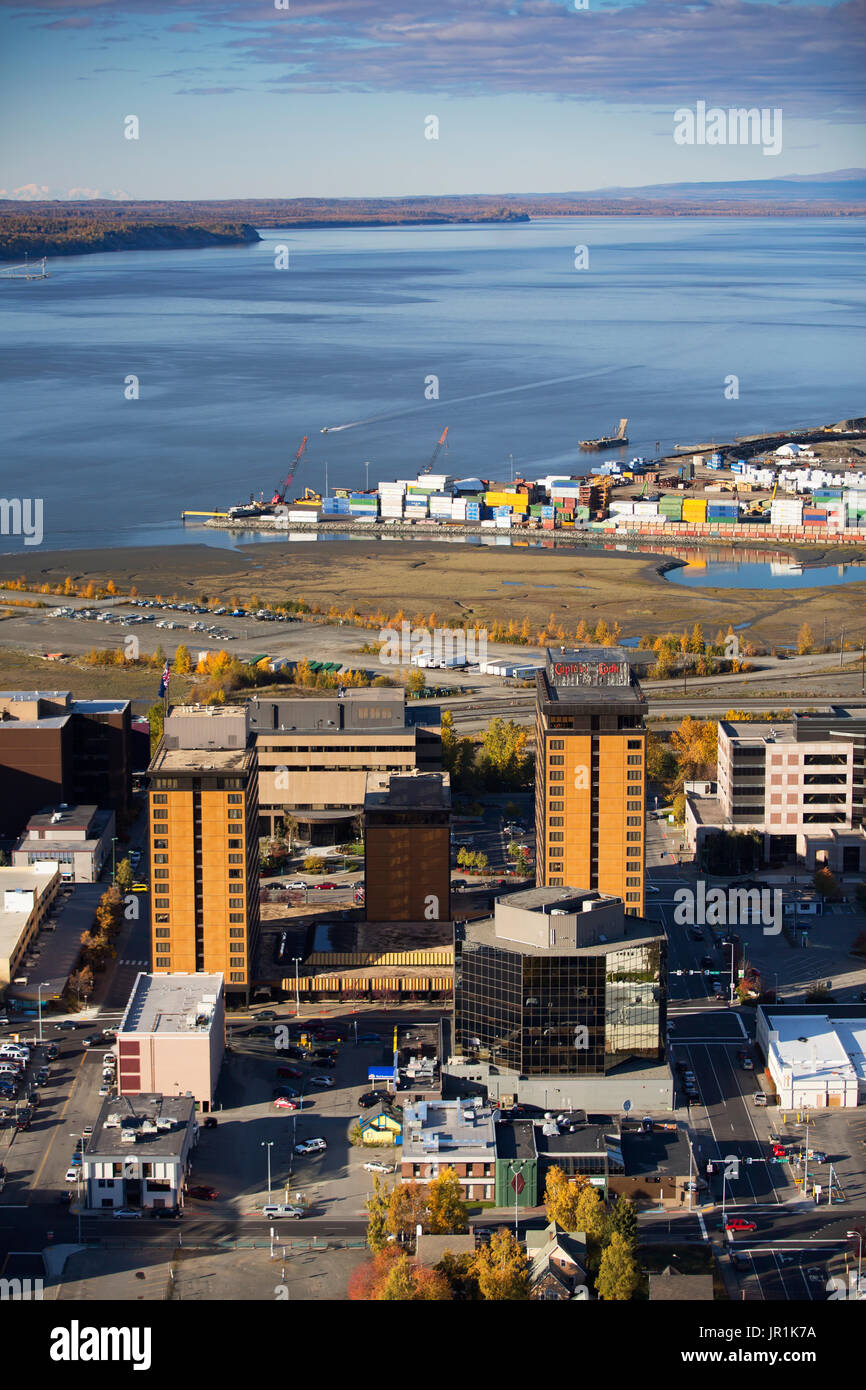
x: 280, y: 492
x: 429, y: 468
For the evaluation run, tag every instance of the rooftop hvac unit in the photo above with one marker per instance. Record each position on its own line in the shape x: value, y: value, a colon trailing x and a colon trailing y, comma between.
x: 165, y: 1122
x: 128, y: 1136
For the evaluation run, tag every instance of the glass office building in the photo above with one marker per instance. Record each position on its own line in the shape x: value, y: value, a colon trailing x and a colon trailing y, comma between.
x: 576, y: 1011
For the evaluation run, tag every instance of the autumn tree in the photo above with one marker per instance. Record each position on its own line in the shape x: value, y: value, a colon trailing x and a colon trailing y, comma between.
x: 155, y: 717
x: 502, y: 1269
x: 182, y: 661
x: 415, y: 681
x: 561, y: 1198
x: 589, y: 1213
x: 805, y: 640
x: 618, y: 1275
x: 378, y: 1209
x: 407, y: 1209
x: 446, y: 1211
x: 695, y: 746
x: 503, y: 760
x: 124, y: 877
x: 623, y: 1220
x: 409, y: 1282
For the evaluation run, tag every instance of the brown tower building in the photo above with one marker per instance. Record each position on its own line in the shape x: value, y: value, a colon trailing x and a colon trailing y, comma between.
x: 590, y: 774
x: 407, y: 868
x: 204, y: 844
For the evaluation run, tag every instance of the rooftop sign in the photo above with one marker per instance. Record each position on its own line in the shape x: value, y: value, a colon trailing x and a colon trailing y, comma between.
x: 588, y: 672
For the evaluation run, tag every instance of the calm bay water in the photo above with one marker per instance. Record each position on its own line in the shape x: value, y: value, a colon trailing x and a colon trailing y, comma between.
x: 236, y: 361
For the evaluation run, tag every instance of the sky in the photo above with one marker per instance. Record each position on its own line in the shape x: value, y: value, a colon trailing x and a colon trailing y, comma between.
x: 332, y: 98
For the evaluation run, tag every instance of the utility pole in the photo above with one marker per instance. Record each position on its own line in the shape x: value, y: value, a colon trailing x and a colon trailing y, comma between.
x: 268, y: 1144
x: 297, y: 960
x: 841, y: 648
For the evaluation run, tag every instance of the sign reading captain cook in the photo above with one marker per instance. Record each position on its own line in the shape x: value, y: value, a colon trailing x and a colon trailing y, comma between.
x: 588, y: 671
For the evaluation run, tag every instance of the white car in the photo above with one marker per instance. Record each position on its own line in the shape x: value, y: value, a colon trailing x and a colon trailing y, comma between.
x: 104, y: 1090
x: 73, y: 1174
x: 274, y: 1209
x: 321, y: 1081
x: 311, y: 1146
x: 376, y: 1166
x: 297, y: 884
x: 126, y: 1213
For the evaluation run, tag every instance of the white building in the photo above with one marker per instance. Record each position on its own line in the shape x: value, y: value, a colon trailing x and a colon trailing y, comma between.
x: 139, y: 1153
x: 25, y: 898
x: 817, y: 1060
x: 172, y: 1036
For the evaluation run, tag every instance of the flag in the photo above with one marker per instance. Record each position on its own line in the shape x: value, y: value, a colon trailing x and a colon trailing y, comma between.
x: 163, y: 685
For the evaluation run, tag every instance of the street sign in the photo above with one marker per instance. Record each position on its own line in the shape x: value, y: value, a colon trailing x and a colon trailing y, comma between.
x: 517, y: 1183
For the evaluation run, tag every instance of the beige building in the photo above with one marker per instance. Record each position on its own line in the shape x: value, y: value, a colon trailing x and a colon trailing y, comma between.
x: 171, y: 1039
x: 78, y: 838
x: 314, y: 756
x: 26, y: 896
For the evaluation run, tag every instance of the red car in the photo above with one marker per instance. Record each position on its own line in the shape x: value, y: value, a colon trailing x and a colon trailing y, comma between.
x: 779, y: 1151
x: 293, y: 1073
x: 284, y: 1103
x: 736, y: 1223
x: 204, y: 1194
x: 326, y: 885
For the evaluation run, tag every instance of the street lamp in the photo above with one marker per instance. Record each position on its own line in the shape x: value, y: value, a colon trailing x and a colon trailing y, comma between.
x: 297, y: 960
x: 268, y: 1144
x: 39, y: 1005
x: 516, y: 1170
x: 113, y: 859
x: 859, y: 1235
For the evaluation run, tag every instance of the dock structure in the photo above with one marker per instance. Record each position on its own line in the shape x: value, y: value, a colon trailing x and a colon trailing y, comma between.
x: 608, y: 441
x: 30, y: 270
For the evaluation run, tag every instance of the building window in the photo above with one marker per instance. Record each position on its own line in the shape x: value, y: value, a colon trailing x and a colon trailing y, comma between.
x: 159, y: 798
x: 632, y: 834
x: 633, y: 820
x: 632, y: 897
x: 163, y: 962
x: 161, y: 902
x: 236, y: 960
x: 632, y: 883
x: 634, y: 760
x: 234, y: 797
x: 556, y: 852
x: 236, y: 917
x: 556, y: 883
x: 162, y: 917
x: 160, y: 873
x: 163, y: 931
x: 235, y: 873
x: 556, y: 820
x: 234, y: 815
x: 633, y: 776
x: 557, y: 805
x: 557, y: 835
x: 160, y: 859
x: 236, y: 859
x: 557, y: 760
x: 634, y: 743
x: 236, y: 977
x: 236, y: 931
x: 160, y: 844
x: 633, y: 806
x: 557, y: 776
x: 159, y: 814
x: 236, y: 844
x: 557, y: 743
x: 236, y: 902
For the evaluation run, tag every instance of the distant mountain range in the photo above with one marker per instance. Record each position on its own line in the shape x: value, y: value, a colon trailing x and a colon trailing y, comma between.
x: 842, y: 185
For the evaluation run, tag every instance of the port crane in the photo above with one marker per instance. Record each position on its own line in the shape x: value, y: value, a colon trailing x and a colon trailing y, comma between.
x: 279, y: 496
x: 430, y: 465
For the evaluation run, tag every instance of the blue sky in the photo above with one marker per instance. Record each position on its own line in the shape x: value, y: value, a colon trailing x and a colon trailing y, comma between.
x: 328, y: 98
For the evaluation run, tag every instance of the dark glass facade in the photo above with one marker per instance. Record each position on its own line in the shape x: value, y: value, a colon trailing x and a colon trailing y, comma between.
x: 574, y: 1015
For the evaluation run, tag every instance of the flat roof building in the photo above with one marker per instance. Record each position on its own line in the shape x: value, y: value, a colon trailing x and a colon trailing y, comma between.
x: 26, y: 896
x: 139, y: 1153
x: 407, y: 832
x: 816, y: 1055
x: 171, y: 1038
x: 78, y: 838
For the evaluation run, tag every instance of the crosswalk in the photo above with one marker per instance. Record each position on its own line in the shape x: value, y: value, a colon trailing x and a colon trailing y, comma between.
x: 144, y: 963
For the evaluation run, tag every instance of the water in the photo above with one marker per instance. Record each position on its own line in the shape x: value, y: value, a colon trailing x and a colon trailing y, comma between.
x: 236, y: 361
x: 770, y: 574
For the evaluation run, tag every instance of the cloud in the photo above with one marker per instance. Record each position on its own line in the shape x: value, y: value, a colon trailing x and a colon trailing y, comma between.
x: 808, y: 57
x: 206, y: 91
x: 43, y: 192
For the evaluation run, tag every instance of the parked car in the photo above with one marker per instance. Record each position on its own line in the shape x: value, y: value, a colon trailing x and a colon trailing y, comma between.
x: 87, y: 1131
x: 816, y: 1275
x: 202, y: 1193
x: 286, y: 1103
x: 370, y: 1098
x: 738, y: 1223
x: 369, y: 1038
x: 297, y: 884
x: 140, y: 888
x: 91, y: 1040
x: 745, y: 1060
x: 311, y: 1146
x: 817, y: 1156
x: 72, y: 1173
x: 322, y: 886
x: 126, y: 1214
x: 275, y: 1209
x: 165, y: 1213
x: 267, y: 1014
x: 104, y: 1090
x: 321, y: 1080
x: 210, y: 1122
x: 375, y: 1165
x: 285, y: 1093
x: 65, y: 1199
x: 293, y: 1073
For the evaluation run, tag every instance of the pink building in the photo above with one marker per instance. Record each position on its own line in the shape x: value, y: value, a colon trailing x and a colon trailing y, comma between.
x: 171, y: 1039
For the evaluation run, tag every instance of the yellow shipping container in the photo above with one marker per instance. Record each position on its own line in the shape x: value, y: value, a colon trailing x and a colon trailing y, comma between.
x: 694, y: 509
